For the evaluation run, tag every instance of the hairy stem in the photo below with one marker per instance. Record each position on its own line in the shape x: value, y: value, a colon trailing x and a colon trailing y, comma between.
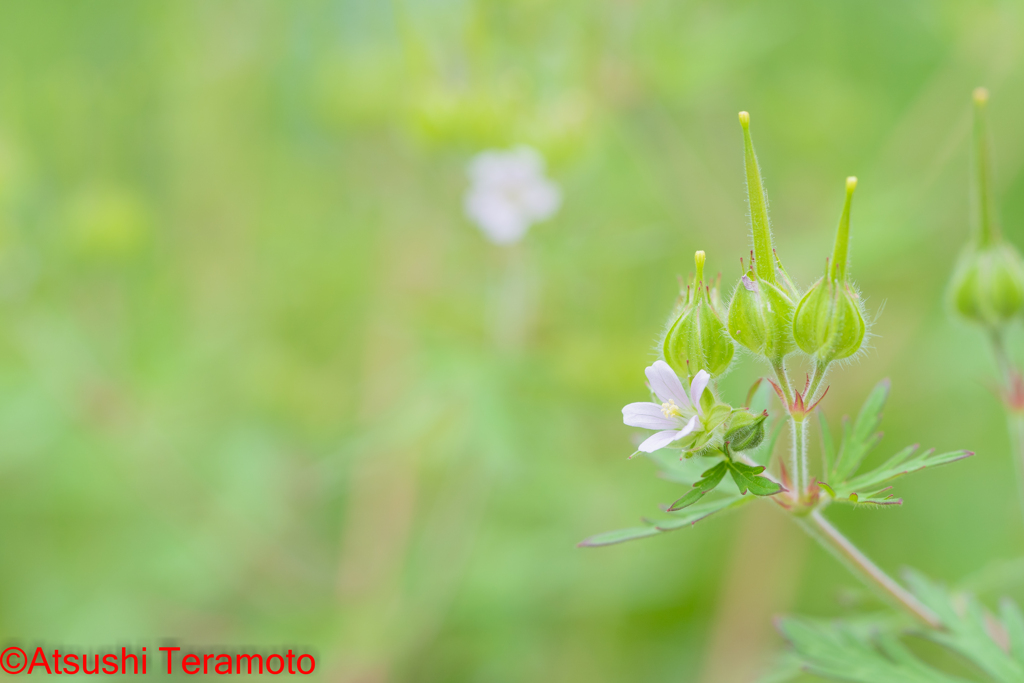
x: 858, y: 563
x: 810, y: 396
x: 798, y: 450
x: 1008, y: 375
x: 799, y: 459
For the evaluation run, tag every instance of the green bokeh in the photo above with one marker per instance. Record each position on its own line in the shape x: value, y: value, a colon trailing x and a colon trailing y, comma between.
x: 262, y: 382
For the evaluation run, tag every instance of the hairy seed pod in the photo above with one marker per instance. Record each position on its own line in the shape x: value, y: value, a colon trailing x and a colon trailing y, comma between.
x: 988, y: 283
x: 697, y: 339
x: 829, y: 321
x: 760, y: 318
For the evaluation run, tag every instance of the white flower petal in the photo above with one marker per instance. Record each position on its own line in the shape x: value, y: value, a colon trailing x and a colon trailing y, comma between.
x: 665, y: 384
x: 540, y: 199
x: 689, y: 428
x: 500, y: 220
x: 749, y: 284
x: 647, y: 416
x: 658, y: 440
x: 697, y: 386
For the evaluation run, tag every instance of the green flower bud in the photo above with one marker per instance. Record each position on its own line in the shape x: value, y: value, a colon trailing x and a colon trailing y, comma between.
x: 760, y: 318
x: 988, y: 283
x: 697, y: 340
x: 829, y: 323
x: 746, y: 430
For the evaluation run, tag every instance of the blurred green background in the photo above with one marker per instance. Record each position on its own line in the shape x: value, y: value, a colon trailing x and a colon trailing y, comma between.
x: 262, y: 382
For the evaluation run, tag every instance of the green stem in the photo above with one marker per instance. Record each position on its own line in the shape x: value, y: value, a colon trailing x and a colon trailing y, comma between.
x: 858, y: 563
x: 820, y: 369
x: 764, y: 258
x: 1015, y: 427
x: 1014, y: 418
x: 801, y: 472
x: 798, y: 451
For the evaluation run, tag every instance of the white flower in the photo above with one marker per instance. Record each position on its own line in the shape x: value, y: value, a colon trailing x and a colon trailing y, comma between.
x: 508, y: 193
x: 679, y: 415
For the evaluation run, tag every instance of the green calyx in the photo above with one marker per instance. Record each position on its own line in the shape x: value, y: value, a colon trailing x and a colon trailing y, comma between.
x: 697, y: 339
x: 829, y: 321
x: 988, y: 284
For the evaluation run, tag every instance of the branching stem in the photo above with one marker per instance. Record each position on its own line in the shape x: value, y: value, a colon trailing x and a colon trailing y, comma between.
x: 858, y: 563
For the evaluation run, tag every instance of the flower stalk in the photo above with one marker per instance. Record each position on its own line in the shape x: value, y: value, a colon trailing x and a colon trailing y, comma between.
x: 830, y: 538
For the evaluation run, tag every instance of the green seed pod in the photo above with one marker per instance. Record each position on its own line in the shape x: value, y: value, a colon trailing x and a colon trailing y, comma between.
x: 697, y: 340
x: 988, y: 284
x: 760, y: 318
x: 760, y: 315
x: 829, y: 323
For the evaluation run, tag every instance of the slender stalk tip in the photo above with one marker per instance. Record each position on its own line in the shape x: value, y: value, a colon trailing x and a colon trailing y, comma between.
x: 981, y: 96
x: 699, y: 258
x: 851, y: 184
x: 744, y: 119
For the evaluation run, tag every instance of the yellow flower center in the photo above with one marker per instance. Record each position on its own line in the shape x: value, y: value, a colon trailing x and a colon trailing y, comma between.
x: 670, y: 409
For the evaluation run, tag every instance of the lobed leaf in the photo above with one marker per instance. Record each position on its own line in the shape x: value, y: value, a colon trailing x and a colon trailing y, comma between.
x: 828, y: 444
x: 862, y: 436
x: 841, y: 653
x: 689, y: 517
x: 907, y: 460
x: 846, y: 652
x: 967, y: 630
x: 746, y: 478
x: 706, y: 484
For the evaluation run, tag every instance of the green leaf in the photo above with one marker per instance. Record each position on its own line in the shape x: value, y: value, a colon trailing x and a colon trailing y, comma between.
x: 966, y: 629
x: 869, y: 499
x: 828, y: 444
x: 1013, y: 622
x: 871, y: 652
x: 907, y: 460
x: 707, y: 483
x: 696, y: 513
x: 689, y: 517
x: 619, y: 536
x: 842, y: 653
x: 746, y: 478
x: 862, y: 436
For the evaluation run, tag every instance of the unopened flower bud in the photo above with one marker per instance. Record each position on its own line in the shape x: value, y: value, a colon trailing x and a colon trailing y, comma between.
x: 697, y: 340
x: 829, y: 323
x: 988, y: 284
x: 746, y: 430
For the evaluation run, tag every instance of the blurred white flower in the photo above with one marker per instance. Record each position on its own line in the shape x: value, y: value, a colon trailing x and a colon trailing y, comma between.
x: 508, y: 193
